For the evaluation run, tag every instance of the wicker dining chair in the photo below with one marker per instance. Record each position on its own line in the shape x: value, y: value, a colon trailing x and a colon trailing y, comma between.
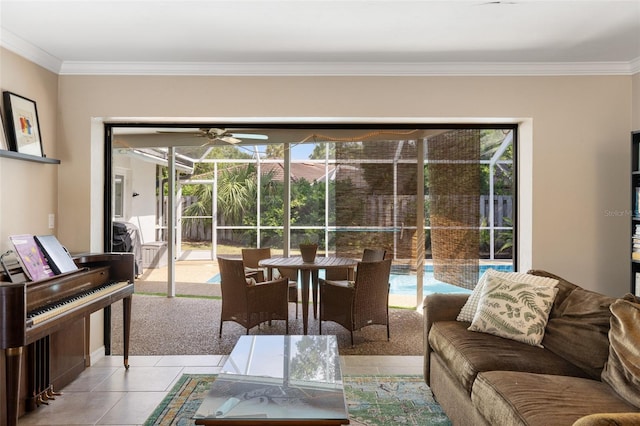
x: 368, y: 255
x: 250, y: 304
x: 251, y: 258
x: 355, y: 305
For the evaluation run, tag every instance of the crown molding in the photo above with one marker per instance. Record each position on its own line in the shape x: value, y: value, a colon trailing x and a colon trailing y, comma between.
x: 11, y: 42
x: 349, y: 68
x: 34, y: 54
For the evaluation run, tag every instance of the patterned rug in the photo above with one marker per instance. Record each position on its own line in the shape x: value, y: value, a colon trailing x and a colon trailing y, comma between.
x: 371, y: 400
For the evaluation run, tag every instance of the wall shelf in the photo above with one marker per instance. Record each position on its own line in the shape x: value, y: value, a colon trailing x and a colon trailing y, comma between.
x: 27, y: 157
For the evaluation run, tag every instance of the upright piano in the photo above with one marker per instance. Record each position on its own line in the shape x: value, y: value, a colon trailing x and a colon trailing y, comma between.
x: 41, y: 321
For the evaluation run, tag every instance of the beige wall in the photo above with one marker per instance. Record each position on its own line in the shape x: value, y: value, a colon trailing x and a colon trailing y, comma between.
x: 576, y: 152
x: 29, y: 191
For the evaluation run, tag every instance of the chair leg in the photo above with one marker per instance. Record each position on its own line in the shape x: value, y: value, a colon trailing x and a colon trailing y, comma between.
x: 286, y: 327
x: 351, y: 331
x: 388, y: 333
x: 220, y: 334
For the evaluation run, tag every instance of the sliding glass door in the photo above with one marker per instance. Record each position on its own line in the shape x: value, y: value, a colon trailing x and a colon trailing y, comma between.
x: 433, y: 197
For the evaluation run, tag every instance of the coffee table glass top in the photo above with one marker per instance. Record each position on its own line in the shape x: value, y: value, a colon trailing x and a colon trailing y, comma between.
x: 278, y: 377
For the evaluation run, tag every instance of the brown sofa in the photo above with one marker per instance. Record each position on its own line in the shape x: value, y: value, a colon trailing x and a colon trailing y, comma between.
x: 482, y: 379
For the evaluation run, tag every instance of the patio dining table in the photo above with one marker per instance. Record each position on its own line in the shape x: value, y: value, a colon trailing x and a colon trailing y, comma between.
x: 309, y: 275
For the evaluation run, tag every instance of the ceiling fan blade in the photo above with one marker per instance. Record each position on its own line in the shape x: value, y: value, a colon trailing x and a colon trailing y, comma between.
x: 184, y: 133
x: 229, y: 139
x: 250, y: 136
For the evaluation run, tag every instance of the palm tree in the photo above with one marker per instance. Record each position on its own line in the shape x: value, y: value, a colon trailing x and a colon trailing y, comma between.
x: 236, y: 192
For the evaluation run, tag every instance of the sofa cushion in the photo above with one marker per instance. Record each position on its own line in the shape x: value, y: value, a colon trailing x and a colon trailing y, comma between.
x: 516, y: 398
x: 514, y: 310
x: 564, y: 287
x: 466, y: 353
x: 622, y: 370
x: 577, y: 329
x: 469, y: 309
x: 609, y: 419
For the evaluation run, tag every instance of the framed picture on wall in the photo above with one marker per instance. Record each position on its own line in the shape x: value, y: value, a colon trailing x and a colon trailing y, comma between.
x: 22, y: 124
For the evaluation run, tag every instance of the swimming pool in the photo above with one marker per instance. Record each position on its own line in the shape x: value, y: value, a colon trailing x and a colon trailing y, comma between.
x: 404, y: 284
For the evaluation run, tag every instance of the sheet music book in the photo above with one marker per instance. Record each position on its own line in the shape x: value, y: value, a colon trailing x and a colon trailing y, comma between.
x: 31, y: 258
x: 59, y: 258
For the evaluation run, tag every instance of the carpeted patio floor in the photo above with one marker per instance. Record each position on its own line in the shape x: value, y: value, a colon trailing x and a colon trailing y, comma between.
x: 190, y: 325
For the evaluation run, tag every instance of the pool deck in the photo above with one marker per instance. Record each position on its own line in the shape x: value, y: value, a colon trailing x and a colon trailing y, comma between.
x: 191, y: 278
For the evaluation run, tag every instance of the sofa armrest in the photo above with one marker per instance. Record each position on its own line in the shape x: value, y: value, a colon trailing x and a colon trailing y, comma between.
x: 439, y: 307
x: 609, y: 419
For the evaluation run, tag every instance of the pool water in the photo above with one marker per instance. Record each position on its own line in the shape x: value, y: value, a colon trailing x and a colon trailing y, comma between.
x: 405, y: 284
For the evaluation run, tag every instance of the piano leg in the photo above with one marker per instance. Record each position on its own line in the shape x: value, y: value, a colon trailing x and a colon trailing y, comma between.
x: 107, y: 330
x: 14, y: 364
x: 126, y: 320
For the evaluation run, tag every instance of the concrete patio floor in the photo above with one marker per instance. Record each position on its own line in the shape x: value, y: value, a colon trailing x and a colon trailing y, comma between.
x: 191, y: 278
x: 195, y: 268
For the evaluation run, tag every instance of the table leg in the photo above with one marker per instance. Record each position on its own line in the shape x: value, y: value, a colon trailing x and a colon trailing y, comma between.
x: 316, y: 292
x: 305, y: 299
x: 269, y: 273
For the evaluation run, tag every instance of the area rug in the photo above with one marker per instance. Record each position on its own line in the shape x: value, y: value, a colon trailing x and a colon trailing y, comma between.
x: 371, y: 401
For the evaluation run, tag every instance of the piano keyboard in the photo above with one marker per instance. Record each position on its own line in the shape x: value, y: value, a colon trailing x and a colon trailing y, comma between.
x: 42, y: 314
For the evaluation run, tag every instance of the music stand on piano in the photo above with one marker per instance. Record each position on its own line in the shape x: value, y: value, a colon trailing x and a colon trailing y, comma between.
x: 12, y: 267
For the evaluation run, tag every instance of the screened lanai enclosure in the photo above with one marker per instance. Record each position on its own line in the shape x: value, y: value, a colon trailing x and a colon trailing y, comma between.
x: 440, y: 200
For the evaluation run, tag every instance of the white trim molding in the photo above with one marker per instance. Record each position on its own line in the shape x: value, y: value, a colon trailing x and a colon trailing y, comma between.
x: 34, y: 54
x: 349, y: 68
x: 30, y: 52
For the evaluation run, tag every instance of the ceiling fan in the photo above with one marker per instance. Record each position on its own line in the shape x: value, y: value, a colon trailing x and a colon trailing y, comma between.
x: 215, y: 134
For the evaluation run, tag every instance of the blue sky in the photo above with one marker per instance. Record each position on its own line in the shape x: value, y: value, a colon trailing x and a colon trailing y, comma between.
x: 302, y: 151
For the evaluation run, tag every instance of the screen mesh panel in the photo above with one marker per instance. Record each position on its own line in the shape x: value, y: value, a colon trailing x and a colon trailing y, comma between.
x: 454, y: 205
x: 375, y: 197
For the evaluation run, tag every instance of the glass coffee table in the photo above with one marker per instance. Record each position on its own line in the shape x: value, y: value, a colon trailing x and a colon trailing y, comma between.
x: 278, y: 380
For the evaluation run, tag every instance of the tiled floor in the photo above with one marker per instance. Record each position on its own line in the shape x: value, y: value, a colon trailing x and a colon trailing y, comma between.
x: 107, y: 394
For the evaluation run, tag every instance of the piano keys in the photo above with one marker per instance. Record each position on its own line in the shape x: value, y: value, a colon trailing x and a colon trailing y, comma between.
x: 34, y: 313
x: 53, y: 310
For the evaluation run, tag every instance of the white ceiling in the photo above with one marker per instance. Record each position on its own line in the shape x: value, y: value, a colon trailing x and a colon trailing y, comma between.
x: 325, y: 37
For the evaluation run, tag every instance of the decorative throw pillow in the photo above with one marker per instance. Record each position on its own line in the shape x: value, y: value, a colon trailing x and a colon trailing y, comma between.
x: 622, y: 370
x: 468, y: 311
x: 517, y: 311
